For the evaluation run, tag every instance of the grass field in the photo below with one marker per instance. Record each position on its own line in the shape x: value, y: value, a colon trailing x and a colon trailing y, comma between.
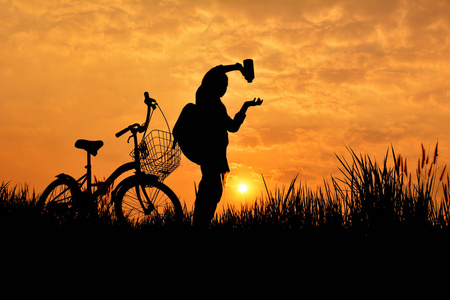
x: 368, y: 199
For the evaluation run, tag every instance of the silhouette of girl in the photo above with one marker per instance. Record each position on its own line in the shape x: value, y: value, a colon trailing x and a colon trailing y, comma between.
x: 216, y: 124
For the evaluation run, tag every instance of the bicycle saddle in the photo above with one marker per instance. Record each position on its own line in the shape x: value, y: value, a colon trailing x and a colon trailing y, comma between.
x: 90, y: 146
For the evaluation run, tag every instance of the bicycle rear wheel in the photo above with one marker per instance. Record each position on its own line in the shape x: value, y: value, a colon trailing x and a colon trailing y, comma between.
x: 147, y: 201
x: 58, y: 198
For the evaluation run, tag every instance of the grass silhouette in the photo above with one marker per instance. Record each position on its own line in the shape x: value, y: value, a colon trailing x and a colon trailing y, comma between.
x: 367, y: 199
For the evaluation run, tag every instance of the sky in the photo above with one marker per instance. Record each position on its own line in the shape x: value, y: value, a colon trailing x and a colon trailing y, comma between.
x: 333, y: 74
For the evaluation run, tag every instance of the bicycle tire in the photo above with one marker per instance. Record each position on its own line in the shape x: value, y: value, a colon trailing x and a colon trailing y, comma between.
x: 58, y: 198
x: 166, y: 206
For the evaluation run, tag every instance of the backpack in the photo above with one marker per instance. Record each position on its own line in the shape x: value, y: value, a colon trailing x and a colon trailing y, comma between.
x: 187, y: 132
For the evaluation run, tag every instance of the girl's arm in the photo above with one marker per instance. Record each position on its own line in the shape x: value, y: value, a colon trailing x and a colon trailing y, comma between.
x: 235, y: 67
x: 235, y: 124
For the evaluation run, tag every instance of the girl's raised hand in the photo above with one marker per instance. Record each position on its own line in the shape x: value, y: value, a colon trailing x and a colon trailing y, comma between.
x: 255, y: 102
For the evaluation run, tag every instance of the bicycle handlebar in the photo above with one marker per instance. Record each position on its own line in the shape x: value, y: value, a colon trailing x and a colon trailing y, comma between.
x: 151, y: 103
x: 122, y: 132
x: 125, y: 130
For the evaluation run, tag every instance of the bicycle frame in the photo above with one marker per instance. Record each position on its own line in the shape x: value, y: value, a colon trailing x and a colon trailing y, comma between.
x: 102, y: 187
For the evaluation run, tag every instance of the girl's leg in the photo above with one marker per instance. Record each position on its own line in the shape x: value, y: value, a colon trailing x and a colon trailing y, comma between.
x: 209, y: 193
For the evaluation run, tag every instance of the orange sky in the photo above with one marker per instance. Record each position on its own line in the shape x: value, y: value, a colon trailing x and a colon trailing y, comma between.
x: 364, y: 74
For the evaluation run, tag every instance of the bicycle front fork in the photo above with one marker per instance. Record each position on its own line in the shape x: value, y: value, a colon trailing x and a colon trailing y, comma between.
x: 146, y: 208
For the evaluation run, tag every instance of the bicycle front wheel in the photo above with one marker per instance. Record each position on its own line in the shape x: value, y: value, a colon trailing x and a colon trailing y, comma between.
x: 148, y: 201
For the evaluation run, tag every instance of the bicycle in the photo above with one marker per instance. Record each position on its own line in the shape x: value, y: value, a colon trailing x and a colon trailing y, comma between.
x: 138, y: 199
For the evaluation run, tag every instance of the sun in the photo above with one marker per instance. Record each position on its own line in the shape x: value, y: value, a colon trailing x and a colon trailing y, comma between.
x: 243, y: 188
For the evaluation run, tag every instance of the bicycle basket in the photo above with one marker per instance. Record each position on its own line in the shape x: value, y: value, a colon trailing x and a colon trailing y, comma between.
x: 157, y: 155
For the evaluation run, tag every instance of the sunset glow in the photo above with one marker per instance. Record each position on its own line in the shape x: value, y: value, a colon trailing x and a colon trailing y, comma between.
x: 362, y: 74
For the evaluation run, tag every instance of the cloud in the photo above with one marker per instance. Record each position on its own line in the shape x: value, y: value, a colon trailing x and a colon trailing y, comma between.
x: 332, y: 73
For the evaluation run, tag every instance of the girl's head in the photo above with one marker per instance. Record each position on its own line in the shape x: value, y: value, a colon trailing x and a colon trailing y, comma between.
x: 215, y: 82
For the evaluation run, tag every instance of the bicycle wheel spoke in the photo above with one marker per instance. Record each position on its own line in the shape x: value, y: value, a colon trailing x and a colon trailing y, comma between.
x: 132, y: 207
x: 60, y: 196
